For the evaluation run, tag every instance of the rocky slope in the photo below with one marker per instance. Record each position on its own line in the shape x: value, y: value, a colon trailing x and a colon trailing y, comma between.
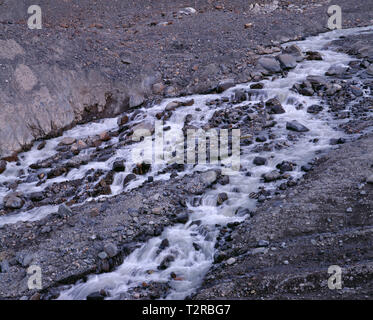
x: 95, y: 59
x: 300, y: 227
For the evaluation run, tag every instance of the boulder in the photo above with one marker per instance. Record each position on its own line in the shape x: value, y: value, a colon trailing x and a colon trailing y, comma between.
x: 314, y: 108
x: 273, y: 106
x: 260, y: 161
x: 296, y: 126
x: 224, y: 85
x: 13, y: 200
x: 270, y: 64
x: 287, y: 61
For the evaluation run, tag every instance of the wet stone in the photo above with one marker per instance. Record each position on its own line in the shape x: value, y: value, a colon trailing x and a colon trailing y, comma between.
x: 260, y: 161
x: 95, y: 296
x: 67, y: 141
x: 166, y: 262
x: 296, y: 126
x: 273, y: 106
x: 314, y: 108
x: 128, y: 178
x: 222, y: 197
x: 2, y: 166
x: 118, y: 166
x: 313, y: 55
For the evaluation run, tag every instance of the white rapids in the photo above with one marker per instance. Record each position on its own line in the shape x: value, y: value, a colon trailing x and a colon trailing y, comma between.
x: 192, y: 262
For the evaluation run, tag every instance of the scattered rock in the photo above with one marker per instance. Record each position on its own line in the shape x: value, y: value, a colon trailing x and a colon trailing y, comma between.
x: 222, y: 197
x: 356, y: 91
x: 164, y: 244
x: 260, y: 161
x: 36, y: 196
x: 158, y: 88
x: 314, y: 109
x: 273, y: 106
x: 296, y: 126
x: 313, y: 55
x: 263, y: 243
x: 102, y: 255
x: 122, y: 120
x: 119, y: 166
x: 67, y: 141
x: 2, y: 166
x: 128, y: 178
x: 64, y: 211
x: 95, y: 296
x: 13, y: 200
x: 258, y: 85
x: 271, y: 176
x: 166, y: 262
x: 224, y: 85
x: 293, y: 50
x: 231, y: 261
x: 287, y: 61
x: 111, y: 249
x: 136, y: 99
x: 270, y: 64
x: 41, y: 145
x: 209, y: 177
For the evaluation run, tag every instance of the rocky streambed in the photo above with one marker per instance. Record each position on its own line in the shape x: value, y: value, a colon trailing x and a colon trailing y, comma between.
x: 101, y: 225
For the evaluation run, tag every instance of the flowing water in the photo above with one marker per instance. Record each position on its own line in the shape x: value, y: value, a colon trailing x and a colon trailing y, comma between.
x: 191, y: 261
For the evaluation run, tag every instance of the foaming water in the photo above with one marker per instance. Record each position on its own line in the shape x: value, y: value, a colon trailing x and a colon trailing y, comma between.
x: 192, y: 245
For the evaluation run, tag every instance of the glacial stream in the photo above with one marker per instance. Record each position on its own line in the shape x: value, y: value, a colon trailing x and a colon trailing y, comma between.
x: 191, y: 262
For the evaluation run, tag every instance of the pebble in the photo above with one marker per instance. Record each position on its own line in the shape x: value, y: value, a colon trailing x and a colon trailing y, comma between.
x: 231, y: 261
x: 263, y: 243
x: 102, y: 255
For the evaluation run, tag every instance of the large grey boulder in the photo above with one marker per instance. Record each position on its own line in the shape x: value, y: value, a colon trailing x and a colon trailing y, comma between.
x: 269, y: 64
x: 287, y: 61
